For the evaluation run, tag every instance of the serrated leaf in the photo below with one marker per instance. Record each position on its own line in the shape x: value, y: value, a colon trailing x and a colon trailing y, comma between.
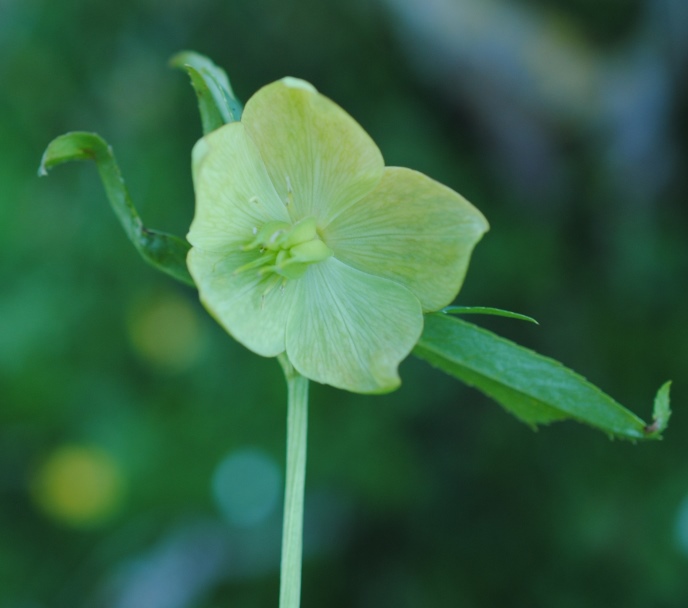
x: 536, y: 389
x: 164, y: 251
x: 216, y: 101
x: 486, y: 310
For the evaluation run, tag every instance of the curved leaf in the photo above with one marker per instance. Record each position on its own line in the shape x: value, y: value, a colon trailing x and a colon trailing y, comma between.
x: 164, y: 251
x: 486, y: 310
x: 536, y: 389
x: 216, y: 100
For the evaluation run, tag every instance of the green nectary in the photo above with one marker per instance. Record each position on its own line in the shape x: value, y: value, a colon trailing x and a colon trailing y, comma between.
x: 285, y: 250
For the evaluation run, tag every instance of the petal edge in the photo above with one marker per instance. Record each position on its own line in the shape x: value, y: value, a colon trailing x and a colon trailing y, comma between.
x: 413, y: 230
x: 319, y: 158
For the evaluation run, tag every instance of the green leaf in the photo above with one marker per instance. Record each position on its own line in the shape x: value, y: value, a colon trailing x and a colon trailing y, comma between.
x: 164, y: 251
x: 485, y: 310
x: 216, y: 100
x: 661, y: 412
x: 536, y: 389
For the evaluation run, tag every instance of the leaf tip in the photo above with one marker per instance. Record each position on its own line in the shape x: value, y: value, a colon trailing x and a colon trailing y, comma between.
x: 45, y: 160
x: 177, y: 60
x: 487, y: 310
x: 661, y: 413
x: 182, y: 59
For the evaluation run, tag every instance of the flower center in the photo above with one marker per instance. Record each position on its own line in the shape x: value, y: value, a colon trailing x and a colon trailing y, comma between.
x: 286, y: 249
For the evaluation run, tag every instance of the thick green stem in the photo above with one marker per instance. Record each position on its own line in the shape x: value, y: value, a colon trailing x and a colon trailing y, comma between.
x: 292, y: 532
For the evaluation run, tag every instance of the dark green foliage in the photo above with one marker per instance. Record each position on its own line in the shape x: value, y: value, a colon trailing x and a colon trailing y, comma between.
x: 427, y: 497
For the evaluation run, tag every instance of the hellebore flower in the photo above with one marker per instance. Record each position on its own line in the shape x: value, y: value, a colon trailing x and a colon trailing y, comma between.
x: 304, y: 242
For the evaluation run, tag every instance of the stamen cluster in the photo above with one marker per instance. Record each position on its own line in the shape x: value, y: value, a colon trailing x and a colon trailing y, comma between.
x: 286, y: 249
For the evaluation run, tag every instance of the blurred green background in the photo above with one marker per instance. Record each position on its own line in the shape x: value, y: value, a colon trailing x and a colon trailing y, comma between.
x: 141, y: 449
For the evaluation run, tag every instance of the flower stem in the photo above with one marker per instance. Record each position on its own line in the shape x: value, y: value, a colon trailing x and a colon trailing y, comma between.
x: 292, y: 531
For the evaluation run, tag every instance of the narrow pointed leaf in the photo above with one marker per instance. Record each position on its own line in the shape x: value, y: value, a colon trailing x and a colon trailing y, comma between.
x: 536, y: 389
x: 164, y: 251
x: 485, y: 310
x: 661, y: 412
x: 216, y: 101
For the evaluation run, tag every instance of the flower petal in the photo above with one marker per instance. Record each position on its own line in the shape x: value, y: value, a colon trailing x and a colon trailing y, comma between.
x: 319, y: 158
x: 413, y: 230
x: 237, y: 302
x: 234, y: 193
x: 350, y: 329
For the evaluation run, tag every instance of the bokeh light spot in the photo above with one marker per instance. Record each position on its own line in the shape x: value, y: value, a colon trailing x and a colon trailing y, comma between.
x: 246, y: 487
x: 80, y: 486
x: 165, y: 331
x: 682, y: 526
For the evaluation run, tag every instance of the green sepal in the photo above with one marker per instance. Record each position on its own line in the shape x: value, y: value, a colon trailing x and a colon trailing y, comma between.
x: 216, y: 101
x: 486, y: 310
x: 536, y: 389
x: 164, y: 251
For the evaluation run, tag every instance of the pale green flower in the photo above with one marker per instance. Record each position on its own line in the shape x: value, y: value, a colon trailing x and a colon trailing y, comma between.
x: 304, y: 242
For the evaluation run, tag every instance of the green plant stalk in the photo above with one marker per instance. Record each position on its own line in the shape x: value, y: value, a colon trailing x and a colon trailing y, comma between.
x: 292, y: 531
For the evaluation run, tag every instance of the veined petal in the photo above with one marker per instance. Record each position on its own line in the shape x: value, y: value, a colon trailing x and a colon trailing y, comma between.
x: 351, y: 329
x: 234, y: 194
x: 319, y: 158
x: 251, y: 308
x: 413, y: 230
